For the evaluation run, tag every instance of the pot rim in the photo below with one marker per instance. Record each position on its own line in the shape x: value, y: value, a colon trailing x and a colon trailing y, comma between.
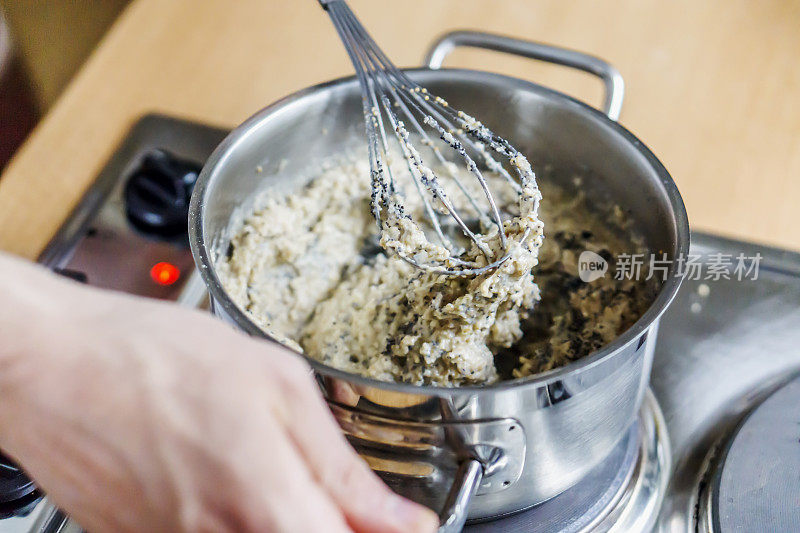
x: 219, y: 296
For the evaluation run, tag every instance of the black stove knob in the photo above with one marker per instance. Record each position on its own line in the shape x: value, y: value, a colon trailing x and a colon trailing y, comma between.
x: 8, y: 468
x: 157, y: 195
x: 17, y: 491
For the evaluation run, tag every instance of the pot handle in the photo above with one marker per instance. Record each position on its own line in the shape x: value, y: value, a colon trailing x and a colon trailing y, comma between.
x: 465, y: 485
x: 612, y: 79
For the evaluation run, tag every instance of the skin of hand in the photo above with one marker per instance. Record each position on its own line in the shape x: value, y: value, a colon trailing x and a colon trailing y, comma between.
x: 137, y: 415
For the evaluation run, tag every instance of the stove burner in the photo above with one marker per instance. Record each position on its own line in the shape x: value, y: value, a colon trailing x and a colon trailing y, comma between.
x: 625, y: 491
x: 17, y: 492
x: 756, y: 484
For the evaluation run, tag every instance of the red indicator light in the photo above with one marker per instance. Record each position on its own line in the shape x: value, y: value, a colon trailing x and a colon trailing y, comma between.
x: 165, y: 273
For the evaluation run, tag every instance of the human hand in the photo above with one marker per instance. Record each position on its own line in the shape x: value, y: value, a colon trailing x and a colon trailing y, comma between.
x: 135, y: 415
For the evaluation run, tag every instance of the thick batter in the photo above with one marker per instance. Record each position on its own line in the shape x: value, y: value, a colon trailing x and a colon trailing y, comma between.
x: 307, y: 268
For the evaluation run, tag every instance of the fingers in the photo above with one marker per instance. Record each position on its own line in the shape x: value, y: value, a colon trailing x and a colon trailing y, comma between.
x: 368, y: 504
x: 274, y: 487
x: 298, y: 504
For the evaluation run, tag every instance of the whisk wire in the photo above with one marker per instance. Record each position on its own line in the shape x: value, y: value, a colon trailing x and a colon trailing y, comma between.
x: 419, y: 172
x: 388, y: 90
x: 415, y: 89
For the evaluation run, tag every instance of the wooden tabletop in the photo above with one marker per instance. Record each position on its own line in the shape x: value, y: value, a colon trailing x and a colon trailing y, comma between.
x: 713, y: 89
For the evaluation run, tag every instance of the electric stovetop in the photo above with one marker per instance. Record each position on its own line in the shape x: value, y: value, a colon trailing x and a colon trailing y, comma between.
x: 717, y: 445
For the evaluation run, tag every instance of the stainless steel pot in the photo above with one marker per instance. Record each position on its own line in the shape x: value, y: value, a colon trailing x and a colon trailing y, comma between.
x: 494, y: 449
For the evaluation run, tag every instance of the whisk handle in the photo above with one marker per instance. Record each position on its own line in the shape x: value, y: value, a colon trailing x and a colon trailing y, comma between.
x: 612, y: 79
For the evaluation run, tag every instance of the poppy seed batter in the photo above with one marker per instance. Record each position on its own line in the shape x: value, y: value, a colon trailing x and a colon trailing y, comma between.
x: 305, y: 267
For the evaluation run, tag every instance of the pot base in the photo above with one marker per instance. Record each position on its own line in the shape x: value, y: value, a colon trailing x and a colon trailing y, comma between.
x: 624, y: 493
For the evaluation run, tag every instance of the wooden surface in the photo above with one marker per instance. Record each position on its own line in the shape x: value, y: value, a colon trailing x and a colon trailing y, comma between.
x: 713, y: 89
x: 53, y: 38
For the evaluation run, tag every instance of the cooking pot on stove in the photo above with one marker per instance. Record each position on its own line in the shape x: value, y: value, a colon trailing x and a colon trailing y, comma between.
x: 476, y: 451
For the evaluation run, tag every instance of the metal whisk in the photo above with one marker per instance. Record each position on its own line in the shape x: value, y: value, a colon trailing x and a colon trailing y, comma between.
x: 390, y: 95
